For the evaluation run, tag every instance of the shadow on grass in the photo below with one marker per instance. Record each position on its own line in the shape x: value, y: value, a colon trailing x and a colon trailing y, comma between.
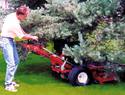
x: 39, y: 73
x: 34, y: 68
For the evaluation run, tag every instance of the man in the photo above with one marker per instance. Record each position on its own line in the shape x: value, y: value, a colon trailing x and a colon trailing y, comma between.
x: 11, y: 29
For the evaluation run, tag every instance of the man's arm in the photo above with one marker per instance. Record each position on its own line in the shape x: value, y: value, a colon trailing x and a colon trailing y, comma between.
x: 29, y: 37
x: 22, y: 34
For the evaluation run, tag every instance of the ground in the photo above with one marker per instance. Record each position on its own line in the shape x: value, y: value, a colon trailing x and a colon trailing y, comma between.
x: 35, y: 78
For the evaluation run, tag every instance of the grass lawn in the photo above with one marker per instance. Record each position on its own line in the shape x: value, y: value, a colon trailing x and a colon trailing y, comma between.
x: 34, y: 76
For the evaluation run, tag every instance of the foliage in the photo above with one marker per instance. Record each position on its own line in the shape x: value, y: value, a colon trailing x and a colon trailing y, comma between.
x: 68, y: 18
x: 33, y: 4
x: 106, y: 41
x: 99, y: 21
x: 1, y: 17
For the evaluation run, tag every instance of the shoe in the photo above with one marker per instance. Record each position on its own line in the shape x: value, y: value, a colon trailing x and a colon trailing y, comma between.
x: 10, y: 88
x: 15, y: 84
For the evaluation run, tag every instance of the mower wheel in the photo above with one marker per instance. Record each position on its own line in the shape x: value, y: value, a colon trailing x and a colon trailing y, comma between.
x: 79, y: 77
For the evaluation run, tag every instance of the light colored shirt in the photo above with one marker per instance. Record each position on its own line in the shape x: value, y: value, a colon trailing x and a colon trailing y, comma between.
x: 11, y: 27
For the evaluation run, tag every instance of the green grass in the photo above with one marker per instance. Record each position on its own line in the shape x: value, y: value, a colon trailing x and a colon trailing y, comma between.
x: 34, y: 76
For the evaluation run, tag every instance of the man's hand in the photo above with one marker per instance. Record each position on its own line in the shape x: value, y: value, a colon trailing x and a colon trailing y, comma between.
x: 35, y: 38
x: 30, y: 37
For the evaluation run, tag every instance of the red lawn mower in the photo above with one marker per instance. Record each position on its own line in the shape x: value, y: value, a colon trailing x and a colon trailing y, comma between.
x: 75, y: 74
